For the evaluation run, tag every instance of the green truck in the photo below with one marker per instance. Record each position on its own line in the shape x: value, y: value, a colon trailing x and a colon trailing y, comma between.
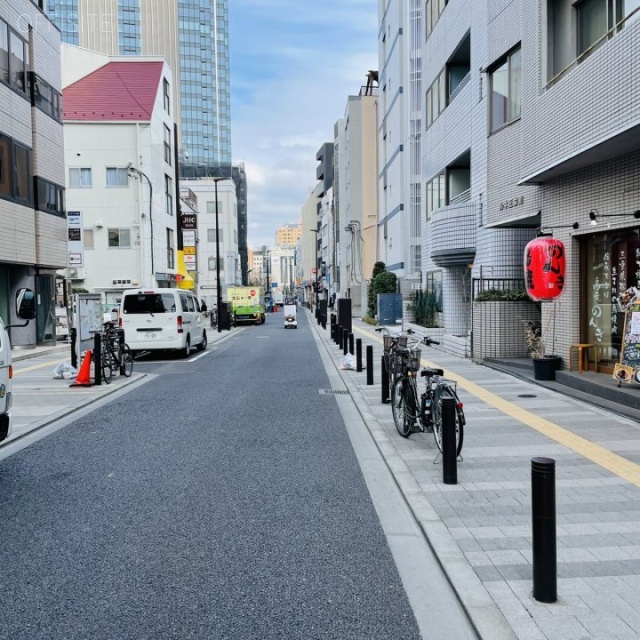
x: 247, y: 305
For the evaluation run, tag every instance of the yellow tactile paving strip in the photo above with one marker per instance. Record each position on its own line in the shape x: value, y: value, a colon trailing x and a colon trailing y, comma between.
x: 614, y: 463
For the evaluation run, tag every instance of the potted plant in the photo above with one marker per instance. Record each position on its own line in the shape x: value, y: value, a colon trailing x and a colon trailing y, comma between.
x: 544, y: 366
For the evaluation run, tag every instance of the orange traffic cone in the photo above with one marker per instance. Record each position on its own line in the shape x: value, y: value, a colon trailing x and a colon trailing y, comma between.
x: 83, y: 378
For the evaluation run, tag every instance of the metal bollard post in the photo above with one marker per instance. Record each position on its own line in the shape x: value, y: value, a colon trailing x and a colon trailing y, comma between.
x: 97, y: 358
x: 351, y: 344
x: 339, y: 335
x: 369, y: 365
x: 384, y: 382
x: 73, y: 336
x: 449, y: 453
x: 543, y: 510
x: 358, y: 355
x: 345, y: 342
x: 324, y: 320
x: 333, y: 331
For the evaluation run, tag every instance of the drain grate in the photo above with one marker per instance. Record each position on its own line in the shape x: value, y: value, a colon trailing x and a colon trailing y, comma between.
x: 527, y: 395
x: 333, y: 392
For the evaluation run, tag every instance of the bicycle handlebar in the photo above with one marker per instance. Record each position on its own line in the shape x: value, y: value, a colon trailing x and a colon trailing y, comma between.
x: 428, y: 341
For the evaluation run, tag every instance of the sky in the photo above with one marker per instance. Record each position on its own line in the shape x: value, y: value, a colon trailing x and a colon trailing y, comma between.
x: 293, y: 65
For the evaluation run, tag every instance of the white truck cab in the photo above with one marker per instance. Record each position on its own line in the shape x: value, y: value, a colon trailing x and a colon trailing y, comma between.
x: 25, y: 310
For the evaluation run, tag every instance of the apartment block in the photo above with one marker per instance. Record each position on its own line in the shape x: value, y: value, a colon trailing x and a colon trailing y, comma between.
x: 33, y: 224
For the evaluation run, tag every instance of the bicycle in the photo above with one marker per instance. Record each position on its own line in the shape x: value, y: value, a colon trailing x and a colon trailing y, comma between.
x: 391, y: 342
x: 115, y: 355
x: 424, y: 414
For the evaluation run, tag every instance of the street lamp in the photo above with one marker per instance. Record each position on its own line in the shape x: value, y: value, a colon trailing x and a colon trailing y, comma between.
x: 316, y: 231
x: 218, y: 284
x: 132, y: 172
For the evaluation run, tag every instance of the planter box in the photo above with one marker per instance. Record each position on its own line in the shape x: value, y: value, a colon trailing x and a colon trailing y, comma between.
x: 499, y: 330
x: 545, y: 368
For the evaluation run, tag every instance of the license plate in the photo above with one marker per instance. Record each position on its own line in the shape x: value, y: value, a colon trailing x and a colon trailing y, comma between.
x: 150, y: 336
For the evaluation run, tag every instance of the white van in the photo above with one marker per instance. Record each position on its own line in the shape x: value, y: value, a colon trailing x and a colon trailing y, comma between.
x: 160, y: 319
x: 25, y: 310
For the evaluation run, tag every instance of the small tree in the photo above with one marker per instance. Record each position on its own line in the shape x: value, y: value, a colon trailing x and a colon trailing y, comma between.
x: 425, y: 308
x: 378, y: 268
x: 384, y: 282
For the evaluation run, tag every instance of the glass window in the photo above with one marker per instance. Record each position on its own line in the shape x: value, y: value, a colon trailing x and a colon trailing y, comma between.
x: 5, y: 166
x: 4, y: 52
x: 80, y: 178
x: 17, y: 62
x: 117, y: 177
x: 212, y: 264
x: 22, y: 173
x: 120, y: 238
x: 168, y: 186
x: 165, y: 92
x: 592, y: 23
x: 505, y: 82
x: 149, y: 303
x: 49, y: 197
x: 167, y: 144
x: 88, y: 238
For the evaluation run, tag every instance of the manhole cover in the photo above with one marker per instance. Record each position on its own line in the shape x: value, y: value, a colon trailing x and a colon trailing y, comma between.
x: 332, y: 391
x: 527, y: 395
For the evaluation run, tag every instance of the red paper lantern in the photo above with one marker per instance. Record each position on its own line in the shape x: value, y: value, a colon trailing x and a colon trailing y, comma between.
x: 544, y: 267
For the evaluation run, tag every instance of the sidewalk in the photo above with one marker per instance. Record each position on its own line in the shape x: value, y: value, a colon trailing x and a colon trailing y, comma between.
x: 39, y: 399
x: 480, y: 529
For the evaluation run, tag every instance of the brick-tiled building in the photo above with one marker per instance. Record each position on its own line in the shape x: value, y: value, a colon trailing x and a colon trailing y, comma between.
x: 33, y: 226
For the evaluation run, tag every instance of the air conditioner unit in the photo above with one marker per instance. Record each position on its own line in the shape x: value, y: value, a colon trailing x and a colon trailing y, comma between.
x: 73, y: 273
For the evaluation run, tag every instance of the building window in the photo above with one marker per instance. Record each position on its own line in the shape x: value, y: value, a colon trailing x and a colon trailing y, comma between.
x: 17, y: 62
x: 211, y: 235
x: 120, y: 238
x: 433, y: 285
x: 88, y: 238
x: 436, y: 194
x: 168, y: 192
x: 49, y: 197
x: 212, y: 264
x: 80, y: 178
x: 211, y: 207
x: 117, y: 177
x: 4, y: 52
x: 45, y: 98
x: 165, y: 93
x: 5, y: 166
x: 505, y: 90
x: 167, y: 144
x: 433, y: 10
x: 22, y: 174
x: 170, y: 250
x: 436, y: 98
x: 592, y: 23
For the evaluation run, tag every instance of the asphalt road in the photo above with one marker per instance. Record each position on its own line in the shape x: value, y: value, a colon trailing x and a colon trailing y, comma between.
x: 222, y: 499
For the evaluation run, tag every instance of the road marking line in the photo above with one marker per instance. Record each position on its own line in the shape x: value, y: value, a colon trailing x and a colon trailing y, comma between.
x: 37, y: 366
x: 618, y: 465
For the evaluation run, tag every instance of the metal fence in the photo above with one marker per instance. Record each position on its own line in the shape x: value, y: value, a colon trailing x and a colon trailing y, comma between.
x: 498, y: 327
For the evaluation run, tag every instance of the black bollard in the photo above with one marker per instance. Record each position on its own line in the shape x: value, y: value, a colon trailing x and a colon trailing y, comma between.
x: 324, y: 320
x: 333, y: 331
x: 73, y: 335
x: 358, y: 355
x: 543, y: 510
x: 369, y: 365
x: 97, y: 358
x: 339, y: 335
x: 449, y: 445
x: 345, y: 342
x: 351, y: 343
x: 384, y: 380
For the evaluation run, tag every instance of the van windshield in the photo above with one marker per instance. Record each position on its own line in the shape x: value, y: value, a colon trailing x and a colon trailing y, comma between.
x: 149, y: 303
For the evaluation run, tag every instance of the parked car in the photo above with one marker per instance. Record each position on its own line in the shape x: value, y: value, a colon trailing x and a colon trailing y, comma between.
x: 162, y: 319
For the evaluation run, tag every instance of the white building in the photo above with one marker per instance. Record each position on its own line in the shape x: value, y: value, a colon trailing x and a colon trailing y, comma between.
x: 227, y: 224
x: 120, y: 168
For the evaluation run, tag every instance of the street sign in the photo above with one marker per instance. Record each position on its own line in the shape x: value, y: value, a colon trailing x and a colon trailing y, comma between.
x: 274, y: 285
x: 189, y: 251
x: 189, y: 221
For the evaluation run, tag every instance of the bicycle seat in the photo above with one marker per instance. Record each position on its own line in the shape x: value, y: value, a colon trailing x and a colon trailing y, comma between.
x: 425, y: 373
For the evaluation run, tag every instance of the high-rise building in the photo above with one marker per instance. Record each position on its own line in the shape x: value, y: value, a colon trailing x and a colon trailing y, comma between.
x: 193, y: 36
x: 288, y: 235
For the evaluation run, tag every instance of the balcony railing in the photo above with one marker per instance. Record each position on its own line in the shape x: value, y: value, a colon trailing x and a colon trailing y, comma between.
x: 453, y: 234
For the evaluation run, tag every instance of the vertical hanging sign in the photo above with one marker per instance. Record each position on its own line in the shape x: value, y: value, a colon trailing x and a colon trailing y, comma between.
x: 75, y: 246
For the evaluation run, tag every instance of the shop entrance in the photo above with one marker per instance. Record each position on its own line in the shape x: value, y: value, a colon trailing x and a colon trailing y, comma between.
x: 611, y: 264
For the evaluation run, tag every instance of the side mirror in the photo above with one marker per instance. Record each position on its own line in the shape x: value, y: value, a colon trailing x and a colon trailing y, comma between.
x: 25, y: 304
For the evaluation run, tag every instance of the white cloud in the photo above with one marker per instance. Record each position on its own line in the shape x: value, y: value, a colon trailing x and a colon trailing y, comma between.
x: 288, y: 109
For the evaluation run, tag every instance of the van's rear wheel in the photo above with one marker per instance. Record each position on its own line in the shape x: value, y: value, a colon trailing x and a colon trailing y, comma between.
x: 186, y: 352
x: 203, y: 345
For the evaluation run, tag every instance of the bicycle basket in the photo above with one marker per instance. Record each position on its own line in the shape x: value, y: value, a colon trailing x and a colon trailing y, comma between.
x: 389, y: 341
x: 403, y: 361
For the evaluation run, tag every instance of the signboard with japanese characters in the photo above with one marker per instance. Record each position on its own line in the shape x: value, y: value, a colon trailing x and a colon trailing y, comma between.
x: 75, y: 246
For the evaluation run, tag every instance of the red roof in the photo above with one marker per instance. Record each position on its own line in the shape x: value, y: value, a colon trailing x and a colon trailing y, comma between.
x: 116, y: 91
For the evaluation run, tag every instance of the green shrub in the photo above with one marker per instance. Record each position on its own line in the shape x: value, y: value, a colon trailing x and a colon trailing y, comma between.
x: 424, y: 307
x: 502, y: 295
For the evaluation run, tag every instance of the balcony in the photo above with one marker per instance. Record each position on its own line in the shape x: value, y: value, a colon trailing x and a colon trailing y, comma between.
x: 453, y: 233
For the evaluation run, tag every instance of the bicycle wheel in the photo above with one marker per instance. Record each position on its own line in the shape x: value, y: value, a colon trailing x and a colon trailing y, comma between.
x: 106, y: 364
x: 403, y: 405
x: 126, y: 360
x: 444, y: 391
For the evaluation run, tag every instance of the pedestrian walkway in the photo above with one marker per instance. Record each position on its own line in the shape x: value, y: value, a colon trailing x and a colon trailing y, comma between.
x: 480, y: 528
